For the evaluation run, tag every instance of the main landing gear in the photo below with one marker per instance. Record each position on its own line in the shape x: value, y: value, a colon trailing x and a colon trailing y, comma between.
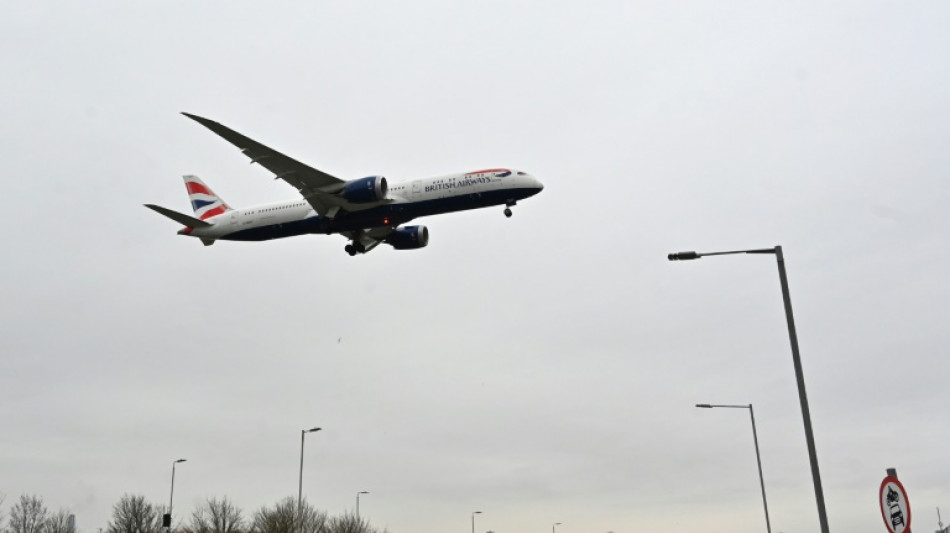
x: 508, y: 205
x: 354, y: 248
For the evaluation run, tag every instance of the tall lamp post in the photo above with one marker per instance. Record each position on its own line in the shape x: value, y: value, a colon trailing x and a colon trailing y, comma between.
x: 554, y: 525
x: 758, y: 458
x: 303, y: 433
x: 473, y: 519
x: 358, y: 503
x: 171, y: 497
x: 796, y: 358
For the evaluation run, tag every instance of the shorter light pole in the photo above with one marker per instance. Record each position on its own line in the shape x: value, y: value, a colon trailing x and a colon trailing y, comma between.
x: 554, y: 526
x: 758, y: 458
x: 358, y: 503
x: 473, y: 519
x: 171, y: 498
x: 303, y: 433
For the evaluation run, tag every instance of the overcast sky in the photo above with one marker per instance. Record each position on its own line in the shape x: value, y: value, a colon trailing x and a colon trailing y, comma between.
x: 539, y: 369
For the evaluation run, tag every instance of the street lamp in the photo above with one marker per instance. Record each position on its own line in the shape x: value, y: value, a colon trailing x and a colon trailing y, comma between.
x: 554, y: 525
x: 171, y: 498
x: 473, y: 519
x: 358, y: 503
x: 303, y: 433
x: 758, y: 458
x: 796, y: 358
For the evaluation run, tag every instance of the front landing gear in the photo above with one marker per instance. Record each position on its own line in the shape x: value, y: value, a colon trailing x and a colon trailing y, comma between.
x: 508, y: 205
x: 350, y: 249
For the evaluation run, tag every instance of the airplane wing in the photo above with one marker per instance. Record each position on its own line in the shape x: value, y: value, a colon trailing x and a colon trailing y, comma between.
x: 308, y: 180
x: 317, y: 187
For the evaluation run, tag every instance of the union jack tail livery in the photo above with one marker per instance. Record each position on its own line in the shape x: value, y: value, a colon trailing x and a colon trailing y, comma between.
x: 204, y: 201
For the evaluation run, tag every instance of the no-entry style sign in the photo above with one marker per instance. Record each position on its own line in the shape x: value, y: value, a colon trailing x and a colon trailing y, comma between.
x: 895, y: 507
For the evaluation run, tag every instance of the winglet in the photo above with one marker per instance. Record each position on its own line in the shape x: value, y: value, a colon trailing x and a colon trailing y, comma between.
x: 196, y: 118
x: 233, y: 137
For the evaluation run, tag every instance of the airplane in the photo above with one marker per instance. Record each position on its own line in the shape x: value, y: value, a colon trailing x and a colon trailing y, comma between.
x: 367, y: 211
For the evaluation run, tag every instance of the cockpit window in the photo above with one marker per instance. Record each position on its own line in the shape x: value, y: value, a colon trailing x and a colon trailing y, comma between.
x: 522, y: 174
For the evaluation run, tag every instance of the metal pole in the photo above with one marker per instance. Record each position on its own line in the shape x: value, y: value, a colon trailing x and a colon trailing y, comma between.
x: 758, y: 458
x: 171, y: 498
x: 358, y: 503
x: 802, y: 396
x: 300, y: 483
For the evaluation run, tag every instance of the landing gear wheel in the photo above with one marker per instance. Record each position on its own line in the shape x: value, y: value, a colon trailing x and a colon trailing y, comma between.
x: 508, y: 212
x: 350, y: 249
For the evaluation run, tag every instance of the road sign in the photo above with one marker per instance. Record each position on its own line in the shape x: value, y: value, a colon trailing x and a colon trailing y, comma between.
x: 895, y: 507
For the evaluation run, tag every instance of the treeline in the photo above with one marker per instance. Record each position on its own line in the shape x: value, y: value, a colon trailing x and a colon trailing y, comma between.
x: 133, y: 514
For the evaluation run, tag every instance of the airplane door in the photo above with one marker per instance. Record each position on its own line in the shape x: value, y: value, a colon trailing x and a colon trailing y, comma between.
x: 416, y: 188
x: 234, y: 218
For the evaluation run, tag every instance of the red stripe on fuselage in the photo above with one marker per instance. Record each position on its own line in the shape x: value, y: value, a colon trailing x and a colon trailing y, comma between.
x: 197, y: 188
x: 486, y: 171
x: 214, y: 212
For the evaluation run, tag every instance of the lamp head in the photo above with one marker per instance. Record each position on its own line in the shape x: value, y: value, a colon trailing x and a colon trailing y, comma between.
x: 181, y: 460
x: 311, y: 430
x: 683, y: 256
x: 704, y: 405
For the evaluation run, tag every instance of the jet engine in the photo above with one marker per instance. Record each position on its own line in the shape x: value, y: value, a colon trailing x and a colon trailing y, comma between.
x: 361, y: 191
x: 408, y: 238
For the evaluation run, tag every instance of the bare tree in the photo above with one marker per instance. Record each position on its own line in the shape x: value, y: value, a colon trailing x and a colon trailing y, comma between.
x: 217, y: 516
x: 2, y: 498
x: 132, y: 514
x: 59, y: 522
x: 347, y: 523
x: 284, y: 517
x: 28, y: 515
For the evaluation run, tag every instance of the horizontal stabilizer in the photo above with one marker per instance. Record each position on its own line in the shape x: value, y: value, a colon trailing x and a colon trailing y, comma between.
x: 191, y: 222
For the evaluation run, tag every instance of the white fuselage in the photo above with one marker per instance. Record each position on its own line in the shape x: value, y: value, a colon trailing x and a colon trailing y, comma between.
x: 408, y: 200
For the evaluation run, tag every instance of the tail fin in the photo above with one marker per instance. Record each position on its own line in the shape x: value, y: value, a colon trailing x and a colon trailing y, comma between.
x: 204, y: 201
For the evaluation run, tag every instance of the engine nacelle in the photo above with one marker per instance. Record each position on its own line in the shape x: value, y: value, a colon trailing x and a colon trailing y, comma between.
x: 408, y: 237
x: 361, y: 191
